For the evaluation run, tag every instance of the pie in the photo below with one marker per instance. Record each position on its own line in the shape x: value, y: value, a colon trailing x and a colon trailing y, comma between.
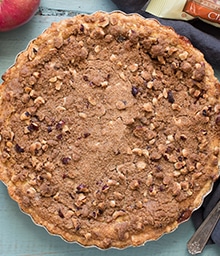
x: 109, y: 129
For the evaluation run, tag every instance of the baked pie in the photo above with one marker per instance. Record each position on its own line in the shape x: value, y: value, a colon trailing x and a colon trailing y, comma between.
x: 109, y: 129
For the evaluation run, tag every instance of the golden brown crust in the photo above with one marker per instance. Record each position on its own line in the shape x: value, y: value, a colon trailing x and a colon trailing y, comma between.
x: 109, y: 129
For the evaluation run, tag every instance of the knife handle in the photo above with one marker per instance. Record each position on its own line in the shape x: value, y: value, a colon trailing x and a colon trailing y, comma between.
x: 198, y: 241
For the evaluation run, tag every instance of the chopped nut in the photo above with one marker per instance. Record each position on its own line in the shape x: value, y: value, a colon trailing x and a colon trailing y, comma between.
x: 65, y: 129
x: 35, y: 146
x: 118, y: 214
x: 133, y: 67
x: 150, y: 85
x: 145, y: 153
x: 197, y: 93
x: 145, y: 74
x: 183, y: 55
x: 45, y: 147
x: 121, y: 176
x: 137, y: 151
x: 154, y: 73
x: 76, y: 157
x: 134, y: 184
x: 112, y: 203
x: 60, y: 108
x: 121, y: 104
x: 36, y: 74
x: 196, y: 175
x: 176, y: 107
x: 58, y: 41
x: 139, y: 204
x: 152, y: 190
x: 185, y: 152
x: 176, y: 188
x: 112, y: 182
x: 216, y: 151
x: 53, y: 79
x: 32, y: 52
x: 97, y: 48
x: 92, y: 101
x: 165, y: 93
x: 175, y: 64
x: 161, y: 59
x: 33, y: 93
x: 167, y: 180
x: 39, y: 100
x: 179, y: 165
x: 162, y: 148
x: 58, y: 85
x: 191, y: 168
x: 113, y: 57
x: 141, y: 165
x: 88, y: 236
x: 217, y: 108
x: 82, y: 115
x: 199, y: 72
x: 103, y: 21
x: 148, y: 107
x: 49, y: 166
x: 118, y: 195
x: 155, y: 101
x: 31, y: 191
x: 184, y: 185
x: 176, y: 173
x: 81, y: 199
x: 122, y: 76
x: 104, y: 83
x: 170, y: 138
x: 189, y: 192
x: 105, y: 188
x: 151, y: 142
x: 9, y: 144
x: 149, y: 180
x: 155, y: 155
x: 25, y: 98
x: 82, y: 188
x: 199, y: 166
x: 25, y: 116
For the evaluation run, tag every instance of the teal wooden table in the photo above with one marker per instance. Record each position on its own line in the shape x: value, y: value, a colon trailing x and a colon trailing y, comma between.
x: 19, y: 236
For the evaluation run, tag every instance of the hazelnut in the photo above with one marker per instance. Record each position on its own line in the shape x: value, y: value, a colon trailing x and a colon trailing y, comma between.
x: 133, y: 67
x: 148, y: 107
x: 141, y: 165
x: 39, y: 100
x: 120, y: 105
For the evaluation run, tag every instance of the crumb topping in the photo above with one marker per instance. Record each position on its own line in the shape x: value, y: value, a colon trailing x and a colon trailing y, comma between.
x: 110, y: 128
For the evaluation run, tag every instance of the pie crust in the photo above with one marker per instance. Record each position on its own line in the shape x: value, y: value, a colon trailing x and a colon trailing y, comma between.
x: 109, y: 129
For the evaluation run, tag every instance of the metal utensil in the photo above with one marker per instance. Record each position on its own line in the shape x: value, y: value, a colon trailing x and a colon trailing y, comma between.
x: 198, y: 241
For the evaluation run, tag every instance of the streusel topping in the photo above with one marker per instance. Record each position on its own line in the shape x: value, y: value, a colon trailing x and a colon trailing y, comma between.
x: 110, y: 128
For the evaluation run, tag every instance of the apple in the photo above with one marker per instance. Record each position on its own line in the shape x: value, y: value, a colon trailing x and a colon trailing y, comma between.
x: 14, y: 13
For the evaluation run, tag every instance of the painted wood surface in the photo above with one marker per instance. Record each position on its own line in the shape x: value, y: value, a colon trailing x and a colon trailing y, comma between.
x: 19, y: 236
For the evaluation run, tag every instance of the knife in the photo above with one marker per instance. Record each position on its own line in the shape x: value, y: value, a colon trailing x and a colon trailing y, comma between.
x: 198, y: 241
